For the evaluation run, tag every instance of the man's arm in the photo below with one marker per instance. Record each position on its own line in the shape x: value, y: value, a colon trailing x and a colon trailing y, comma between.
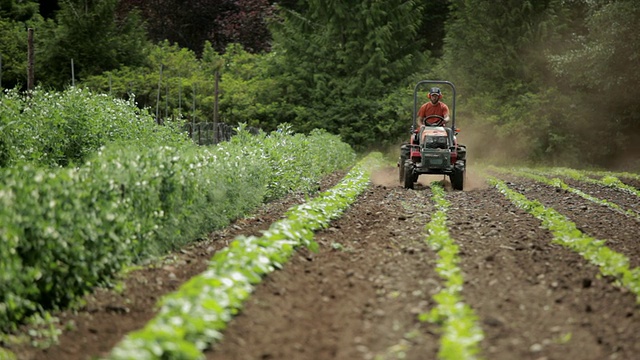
x: 420, y: 118
x: 446, y: 113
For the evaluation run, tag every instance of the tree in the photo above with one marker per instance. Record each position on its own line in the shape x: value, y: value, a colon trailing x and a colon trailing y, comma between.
x: 89, y: 33
x: 497, y: 48
x: 15, y: 18
x: 20, y: 11
x: 600, y: 63
x: 191, y: 23
x: 182, y: 73
x: 246, y: 24
x: 496, y: 53
x: 432, y: 30
x: 338, y: 60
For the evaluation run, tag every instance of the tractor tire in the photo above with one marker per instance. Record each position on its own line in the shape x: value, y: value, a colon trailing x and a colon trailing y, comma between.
x: 462, y: 152
x: 457, y: 178
x: 405, y: 151
x: 408, y: 175
x: 401, y: 169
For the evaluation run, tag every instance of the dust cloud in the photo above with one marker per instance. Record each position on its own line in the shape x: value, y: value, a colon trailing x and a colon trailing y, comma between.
x: 387, y: 176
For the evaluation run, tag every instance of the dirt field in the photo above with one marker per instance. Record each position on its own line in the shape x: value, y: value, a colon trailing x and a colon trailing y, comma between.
x: 359, y: 297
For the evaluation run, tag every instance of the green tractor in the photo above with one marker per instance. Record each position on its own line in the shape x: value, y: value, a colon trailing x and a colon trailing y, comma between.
x: 433, y: 149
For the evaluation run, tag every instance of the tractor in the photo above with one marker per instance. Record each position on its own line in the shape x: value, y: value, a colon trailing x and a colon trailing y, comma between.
x: 433, y: 149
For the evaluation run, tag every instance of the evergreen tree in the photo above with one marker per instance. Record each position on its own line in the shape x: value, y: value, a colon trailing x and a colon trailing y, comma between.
x: 20, y: 11
x: 432, y: 30
x: 339, y: 59
x: 88, y: 32
x: 496, y: 53
x: 497, y: 48
x: 600, y: 67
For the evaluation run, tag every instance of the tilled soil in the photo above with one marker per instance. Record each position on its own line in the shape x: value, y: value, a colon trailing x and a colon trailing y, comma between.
x: 360, y: 296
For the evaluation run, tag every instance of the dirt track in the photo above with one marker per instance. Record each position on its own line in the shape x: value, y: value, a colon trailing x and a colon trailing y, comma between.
x: 359, y: 297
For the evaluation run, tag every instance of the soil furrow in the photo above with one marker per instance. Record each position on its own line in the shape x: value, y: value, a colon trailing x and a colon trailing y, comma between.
x: 535, y: 299
x: 621, y: 232
x: 358, y: 298
x: 107, y: 314
x: 619, y: 197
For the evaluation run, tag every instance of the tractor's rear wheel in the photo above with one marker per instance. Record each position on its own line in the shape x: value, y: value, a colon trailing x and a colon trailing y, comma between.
x: 408, y: 175
x: 457, y: 178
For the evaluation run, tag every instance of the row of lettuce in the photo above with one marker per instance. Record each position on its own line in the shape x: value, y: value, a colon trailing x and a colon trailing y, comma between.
x: 554, y: 178
x: 565, y: 232
x: 67, y: 229
x: 191, y: 318
x: 461, y: 333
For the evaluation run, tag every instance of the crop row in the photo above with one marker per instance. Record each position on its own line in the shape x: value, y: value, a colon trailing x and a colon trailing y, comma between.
x: 66, y: 230
x: 461, y: 332
x: 193, y: 316
x: 607, y: 179
x: 566, y: 233
x: 558, y: 183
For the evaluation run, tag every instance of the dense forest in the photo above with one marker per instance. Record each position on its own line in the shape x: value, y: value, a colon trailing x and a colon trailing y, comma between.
x: 542, y: 81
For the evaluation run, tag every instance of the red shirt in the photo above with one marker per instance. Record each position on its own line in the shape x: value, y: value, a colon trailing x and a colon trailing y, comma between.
x: 429, y: 108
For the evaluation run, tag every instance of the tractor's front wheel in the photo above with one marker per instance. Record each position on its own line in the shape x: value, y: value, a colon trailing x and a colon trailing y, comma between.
x: 401, y: 169
x: 408, y: 175
x: 457, y: 178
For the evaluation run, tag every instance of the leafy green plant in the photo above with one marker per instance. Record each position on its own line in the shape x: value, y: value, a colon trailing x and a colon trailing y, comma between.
x: 67, y: 230
x: 608, y: 179
x: 461, y: 332
x: 62, y: 128
x: 194, y: 316
x: 567, y: 234
x: 7, y: 355
x: 558, y: 183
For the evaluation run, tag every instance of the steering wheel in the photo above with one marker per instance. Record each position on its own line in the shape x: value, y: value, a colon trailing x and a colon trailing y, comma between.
x: 440, y: 121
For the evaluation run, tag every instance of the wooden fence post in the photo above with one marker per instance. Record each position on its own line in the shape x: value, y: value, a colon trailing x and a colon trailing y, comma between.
x: 30, y: 61
x: 73, y: 74
x: 158, y: 97
x: 215, y: 109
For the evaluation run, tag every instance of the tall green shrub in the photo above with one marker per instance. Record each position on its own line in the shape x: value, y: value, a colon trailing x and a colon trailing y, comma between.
x: 60, y: 128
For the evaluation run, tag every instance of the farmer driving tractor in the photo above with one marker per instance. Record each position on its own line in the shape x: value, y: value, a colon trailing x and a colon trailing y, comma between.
x: 434, y: 112
x: 433, y: 148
